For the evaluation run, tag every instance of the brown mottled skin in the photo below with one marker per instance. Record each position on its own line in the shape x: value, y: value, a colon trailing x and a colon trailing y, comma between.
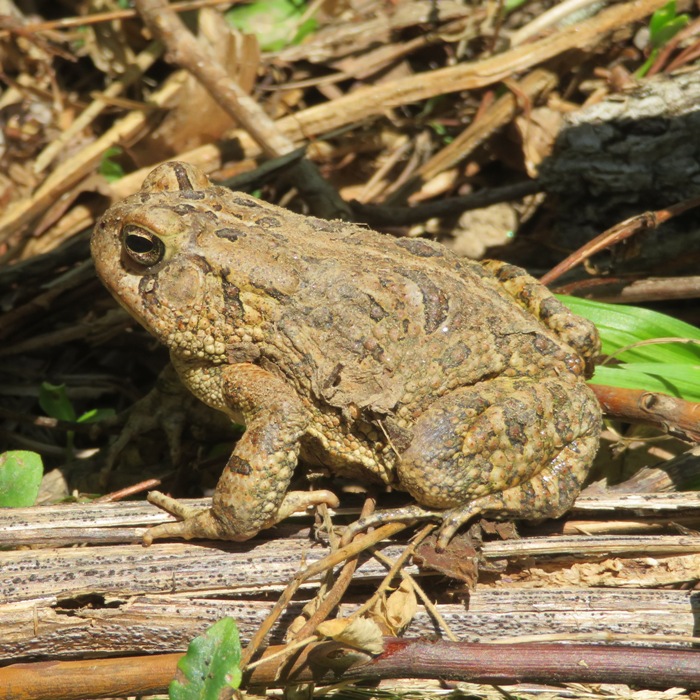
x: 389, y: 359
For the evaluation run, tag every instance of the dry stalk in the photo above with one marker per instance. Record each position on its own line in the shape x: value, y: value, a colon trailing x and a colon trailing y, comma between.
x: 183, y: 49
x: 333, y: 559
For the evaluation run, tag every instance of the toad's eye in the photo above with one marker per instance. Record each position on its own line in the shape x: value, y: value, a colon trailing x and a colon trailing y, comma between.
x: 143, y: 246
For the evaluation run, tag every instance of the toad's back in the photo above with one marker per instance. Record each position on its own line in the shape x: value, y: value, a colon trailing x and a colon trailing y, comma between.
x: 359, y: 317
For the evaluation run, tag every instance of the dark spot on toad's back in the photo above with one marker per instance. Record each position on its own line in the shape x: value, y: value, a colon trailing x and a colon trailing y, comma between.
x: 233, y: 307
x: 267, y: 286
x: 252, y: 204
x: 193, y: 194
x: 320, y: 224
x: 455, y: 356
x: 333, y: 379
x: 435, y: 303
x: 400, y: 437
x: 182, y: 209
x: 268, y: 222
x: 419, y: 247
x: 549, y: 307
x: 230, y: 234
x: 505, y: 273
x: 376, y: 311
x: 545, y: 346
x: 320, y: 317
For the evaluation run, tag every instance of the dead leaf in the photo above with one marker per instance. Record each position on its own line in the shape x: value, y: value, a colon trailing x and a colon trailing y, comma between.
x: 538, y: 129
x: 358, y: 632
x: 395, y: 612
x: 183, y: 128
x: 460, y: 560
x: 481, y: 229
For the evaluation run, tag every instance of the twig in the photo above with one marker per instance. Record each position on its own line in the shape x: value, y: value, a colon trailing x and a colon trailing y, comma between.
x: 385, y: 216
x: 534, y: 663
x: 429, y: 606
x: 501, y: 112
x: 78, y: 166
x: 183, y: 49
x: 487, y: 663
x: 330, y: 600
x: 342, y: 582
x: 99, y: 17
x: 372, y: 101
x: 418, y: 590
x: 344, y: 553
x: 284, y: 652
x: 616, y: 234
x: 680, y: 418
x: 394, y: 569
x: 133, y: 71
x: 127, y: 491
x: 471, y: 75
x: 632, y: 291
x: 90, y: 678
x: 552, y: 16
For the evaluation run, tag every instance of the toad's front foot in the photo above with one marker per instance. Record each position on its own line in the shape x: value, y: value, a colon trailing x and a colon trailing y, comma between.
x: 196, y: 523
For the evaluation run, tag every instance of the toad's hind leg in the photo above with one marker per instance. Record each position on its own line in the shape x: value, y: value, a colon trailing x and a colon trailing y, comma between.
x: 548, y: 494
x: 512, y: 448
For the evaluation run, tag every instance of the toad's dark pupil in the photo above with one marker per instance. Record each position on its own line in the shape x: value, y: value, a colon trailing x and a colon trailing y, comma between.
x: 139, y: 244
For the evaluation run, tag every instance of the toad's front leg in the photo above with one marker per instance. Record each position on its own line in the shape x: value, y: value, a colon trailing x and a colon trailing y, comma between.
x: 252, y: 492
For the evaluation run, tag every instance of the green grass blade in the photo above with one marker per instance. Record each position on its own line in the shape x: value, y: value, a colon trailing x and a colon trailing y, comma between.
x: 669, y: 367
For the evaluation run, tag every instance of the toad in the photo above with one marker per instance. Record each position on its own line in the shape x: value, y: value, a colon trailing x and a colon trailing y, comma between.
x: 389, y: 360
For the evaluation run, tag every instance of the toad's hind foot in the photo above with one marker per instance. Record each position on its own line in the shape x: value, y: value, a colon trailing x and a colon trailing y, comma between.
x: 452, y: 520
x: 406, y: 514
x: 580, y: 333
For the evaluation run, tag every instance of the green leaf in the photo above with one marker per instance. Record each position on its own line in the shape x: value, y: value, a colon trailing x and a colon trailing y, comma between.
x: 96, y: 414
x: 661, y: 17
x: 621, y: 325
x: 665, y: 24
x: 671, y: 367
x: 674, y: 380
x: 646, y: 66
x: 20, y: 478
x: 210, y: 665
x: 511, y: 5
x: 668, y: 31
x: 275, y: 23
x: 55, y: 402
x: 109, y: 169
